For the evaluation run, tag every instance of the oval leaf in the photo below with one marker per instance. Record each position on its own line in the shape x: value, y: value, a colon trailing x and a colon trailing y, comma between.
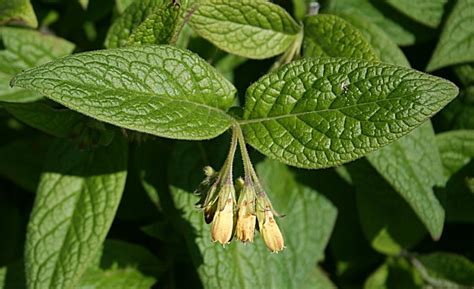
x: 427, y: 12
x: 144, y: 22
x: 250, y: 28
x: 17, y: 11
x: 160, y: 90
x: 412, y: 165
x: 330, y: 35
x: 317, y: 113
x: 25, y: 49
x: 77, y: 198
x: 456, y: 43
x: 385, y: 49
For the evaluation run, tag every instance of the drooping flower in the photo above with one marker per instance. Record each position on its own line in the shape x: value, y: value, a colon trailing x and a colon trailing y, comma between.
x: 246, y: 219
x: 269, y: 229
x: 223, y: 221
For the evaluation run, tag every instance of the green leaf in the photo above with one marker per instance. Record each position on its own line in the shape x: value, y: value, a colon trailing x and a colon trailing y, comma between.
x: 144, y: 22
x: 84, y: 3
x: 395, y: 273
x: 17, y: 11
x: 115, y: 279
x: 58, y: 122
x: 306, y: 227
x: 456, y: 43
x: 22, y: 161
x: 77, y: 198
x: 317, y: 113
x: 25, y: 49
x: 459, y: 197
x: 369, y: 10
x: 122, y: 5
x: 160, y: 90
x: 387, y: 220
x: 448, y: 266
x: 250, y: 28
x: 465, y: 73
x: 123, y: 255
x: 385, y: 49
x: 412, y: 166
x: 319, y: 280
x: 456, y: 149
x: 330, y: 35
x: 427, y: 12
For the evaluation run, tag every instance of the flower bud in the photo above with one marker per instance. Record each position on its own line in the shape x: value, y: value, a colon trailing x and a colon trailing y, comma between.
x: 223, y: 222
x: 246, y: 218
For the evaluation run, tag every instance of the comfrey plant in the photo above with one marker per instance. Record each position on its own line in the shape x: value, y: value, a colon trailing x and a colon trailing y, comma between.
x: 306, y: 109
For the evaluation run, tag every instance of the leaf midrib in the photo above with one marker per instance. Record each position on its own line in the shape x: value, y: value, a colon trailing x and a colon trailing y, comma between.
x: 247, y: 25
x: 271, y: 118
x: 123, y: 92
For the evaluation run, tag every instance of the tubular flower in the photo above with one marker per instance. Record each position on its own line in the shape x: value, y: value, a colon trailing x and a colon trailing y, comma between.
x: 269, y: 229
x: 246, y: 218
x: 223, y: 222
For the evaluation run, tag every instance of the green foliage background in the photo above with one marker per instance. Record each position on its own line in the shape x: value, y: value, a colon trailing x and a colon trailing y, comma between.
x: 369, y: 158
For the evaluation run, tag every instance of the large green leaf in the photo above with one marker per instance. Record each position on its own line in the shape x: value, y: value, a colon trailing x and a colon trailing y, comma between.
x: 385, y: 49
x: 144, y: 22
x: 250, y: 28
x: 412, y: 166
x: 427, y: 12
x: 17, y: 11
x: 317, y: 113
x: 330, y: 35
x: 383, y: 213
x: 456, y: 43
x: 160, y: 90
x: 25, y: 49
x: 307, y: 227
x: 451, y: 267
x: 77, y: 198
x: 115, y: 279
x: 58, y: 122
x: 456, y: 149
x: 369, y: 10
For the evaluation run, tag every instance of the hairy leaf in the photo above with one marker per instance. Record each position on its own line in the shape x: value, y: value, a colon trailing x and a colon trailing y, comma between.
x: 383, y: 213
x: 17, y: 11
x: 330, y: 35
x: 427, y: 12
x: 114, y: 278
x: 385, y: 49
x: 77, y: 198
x: 25, y: 49
x: 456, y: 43
x: 55, y: 121
x: 317, y: 113
x: 448, y: 266
x: 412, y: 166
x: 307, y: 228
x: 250, y: 28
x: 456, y: 149
x: 160, y: 90
x: 144, y: 22
x: 369, y: 10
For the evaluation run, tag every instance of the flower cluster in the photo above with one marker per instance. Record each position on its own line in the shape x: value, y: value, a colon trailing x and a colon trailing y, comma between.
x: 240, y: 216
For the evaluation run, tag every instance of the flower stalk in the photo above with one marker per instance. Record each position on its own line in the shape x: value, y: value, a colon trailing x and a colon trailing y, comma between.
x: 253, y: 207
